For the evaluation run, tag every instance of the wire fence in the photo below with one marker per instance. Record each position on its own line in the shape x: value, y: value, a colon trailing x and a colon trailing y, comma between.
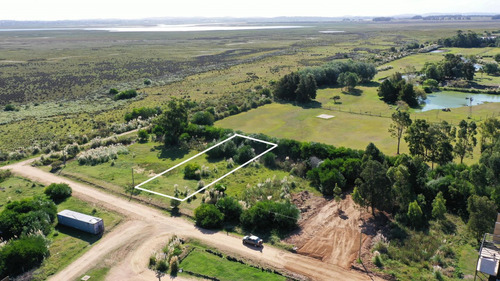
x: 440, y: 115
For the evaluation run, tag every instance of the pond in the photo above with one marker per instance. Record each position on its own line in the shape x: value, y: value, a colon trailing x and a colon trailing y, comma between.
x: 450, y: 99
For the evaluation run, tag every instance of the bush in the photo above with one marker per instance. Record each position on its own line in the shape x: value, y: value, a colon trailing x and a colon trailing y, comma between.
x: 269, y: 160
x: 244, y: 154
x: 231, y: 209
x: 208, y: 216
x: 377, y: 260
x: 203, y: 118
x: 143, y: 136
x: 268, y: 215
x: 113, y: 91
x: 174, y: 265
x: 162, y: 266
x: 27, y: 216
x: 128, y: 94
x: 56, y: 165
x: 190, y: 171
x: 23, y: 254
x: 101, y: 154
x: 5, y: 174
x: 58, y: 191
x: 9, y: 107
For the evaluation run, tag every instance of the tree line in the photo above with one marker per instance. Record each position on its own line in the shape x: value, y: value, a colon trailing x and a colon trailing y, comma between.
x: 469, y: 39
x: 301, y: 86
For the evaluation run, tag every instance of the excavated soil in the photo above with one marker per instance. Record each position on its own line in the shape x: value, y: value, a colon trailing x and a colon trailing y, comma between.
x: 329, y: 230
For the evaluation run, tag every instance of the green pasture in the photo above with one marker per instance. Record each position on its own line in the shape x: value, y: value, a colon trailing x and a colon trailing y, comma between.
x: 201, y: 262
x: 15, y: 188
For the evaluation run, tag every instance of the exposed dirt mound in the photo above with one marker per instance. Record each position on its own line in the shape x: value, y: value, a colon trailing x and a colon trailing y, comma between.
x: 330, y: 231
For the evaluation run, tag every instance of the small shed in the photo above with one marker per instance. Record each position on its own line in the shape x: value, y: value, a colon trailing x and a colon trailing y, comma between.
x: 81, y: 221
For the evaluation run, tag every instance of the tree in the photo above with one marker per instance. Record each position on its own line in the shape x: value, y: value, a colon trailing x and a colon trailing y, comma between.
x: 439, y: 206
x: 490, y: 68
x: 497, y: 57
x: 415, y: 214
x: 409, y: 95
x: 335, y: 99
x: 388, y: 92
x: 349, y: 80
x: 143, y: 135
x: 306, y: 89
x: 490, y: 134
x: 402, y: 192
x: 400, y: 122
x: 417, y: 137
x: 373, y: 185
x: 286, y: 87
x: 466, y: 139
x: 482, y: 215
x: 208, y: 216
x: 58, y: 191
x: 173, y: 121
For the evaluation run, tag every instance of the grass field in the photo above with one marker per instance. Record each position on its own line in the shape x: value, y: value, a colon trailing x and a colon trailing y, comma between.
x: 201, y: 262
x: 16, y: 188
x: 148, y: 159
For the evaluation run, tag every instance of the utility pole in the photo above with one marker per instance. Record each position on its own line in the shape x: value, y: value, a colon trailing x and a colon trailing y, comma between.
x: 133, y: 185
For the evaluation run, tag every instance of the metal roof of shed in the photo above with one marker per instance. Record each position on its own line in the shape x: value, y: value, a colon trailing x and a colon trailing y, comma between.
x: 79, y: 216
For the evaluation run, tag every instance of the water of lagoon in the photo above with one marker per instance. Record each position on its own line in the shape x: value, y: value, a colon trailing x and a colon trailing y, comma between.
x: 450, y: 99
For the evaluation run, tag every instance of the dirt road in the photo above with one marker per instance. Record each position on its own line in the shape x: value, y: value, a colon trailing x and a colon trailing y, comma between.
x: 147, y: 228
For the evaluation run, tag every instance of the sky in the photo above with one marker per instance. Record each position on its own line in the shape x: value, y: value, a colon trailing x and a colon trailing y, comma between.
x: 126, y: 9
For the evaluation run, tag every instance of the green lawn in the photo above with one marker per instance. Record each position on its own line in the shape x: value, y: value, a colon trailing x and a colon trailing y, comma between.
x: 208, y: 264
x: 16, y: 188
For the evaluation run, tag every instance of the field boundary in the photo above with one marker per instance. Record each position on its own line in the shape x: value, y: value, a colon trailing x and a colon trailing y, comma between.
x: 273, y: 146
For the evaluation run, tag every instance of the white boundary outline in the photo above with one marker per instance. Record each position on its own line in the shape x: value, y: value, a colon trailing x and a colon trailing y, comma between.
x: 215, y: 181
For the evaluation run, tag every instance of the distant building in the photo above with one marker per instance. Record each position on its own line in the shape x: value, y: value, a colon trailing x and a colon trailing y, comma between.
x: 81, y: 221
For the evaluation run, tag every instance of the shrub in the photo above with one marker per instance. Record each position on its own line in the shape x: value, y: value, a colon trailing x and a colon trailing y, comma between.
x: 143, y: 136
x: 56, y: 165
x: 269, y: 160
x: 128, y: 94
x: 174, y: 265
x: 5, y: 174
x: 101, y: 154
x: 208, y: 216
x: 203, y: 118
x: 162, y: 266
x: 268, y: 215
x: 113, y: 91
x: 244, y: 154
x: 27, y: 216
x: 377, y: 260
x: 23, y: 254
x: 9, y: 107
x: 58, y: 191
x: 231, y: 209
x: 190, y: 171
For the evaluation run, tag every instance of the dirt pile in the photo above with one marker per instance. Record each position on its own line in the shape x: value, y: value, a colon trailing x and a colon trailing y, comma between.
x: 329, y: 230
